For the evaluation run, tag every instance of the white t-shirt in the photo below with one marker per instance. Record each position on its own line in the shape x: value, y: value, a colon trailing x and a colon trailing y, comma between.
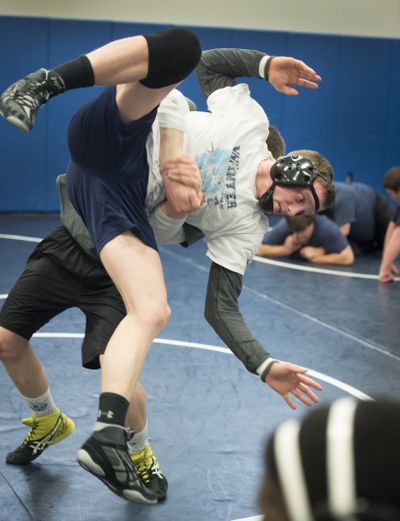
x: 227, y: 143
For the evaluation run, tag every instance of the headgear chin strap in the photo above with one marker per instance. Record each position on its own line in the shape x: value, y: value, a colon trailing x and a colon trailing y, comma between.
x: 292, y: 171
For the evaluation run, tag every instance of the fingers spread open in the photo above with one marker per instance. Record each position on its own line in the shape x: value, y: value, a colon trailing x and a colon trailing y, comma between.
x: 307, y: 391
x: 308, y: 72
x: 307, y: 83
x: 289, y: 401
x: 309, y: 381
x: 285, y: 89
x: 300, y: 396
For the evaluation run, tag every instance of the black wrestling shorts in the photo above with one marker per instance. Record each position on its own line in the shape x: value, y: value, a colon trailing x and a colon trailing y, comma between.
x: 60, y: 275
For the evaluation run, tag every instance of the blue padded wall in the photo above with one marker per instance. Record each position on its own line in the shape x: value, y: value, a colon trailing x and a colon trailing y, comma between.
x: 362, y: 107
x: 353, y: 118
x: 392, y: 136
x: 23, y: 161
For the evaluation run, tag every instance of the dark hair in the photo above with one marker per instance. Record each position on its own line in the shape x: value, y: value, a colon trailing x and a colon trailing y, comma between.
x: 275, y: 142
x: 391, y: 180
x: 298, y: 223
x: 322, y: 165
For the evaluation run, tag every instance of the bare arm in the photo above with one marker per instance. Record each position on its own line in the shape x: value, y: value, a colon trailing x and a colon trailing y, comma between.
x: 289, y: 246
x: 345, y: 229
x: 387, y: 269
x: 274, y: 250
x: 181, y: 180
x: 183, y: 197
x: 389, y: 230
x: 314, y: 255
x: 171, y: 143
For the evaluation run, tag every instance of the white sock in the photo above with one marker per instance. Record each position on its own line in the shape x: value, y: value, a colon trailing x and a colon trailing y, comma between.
x: 99, y: 426
x: 138, y: 441
x: 42, y: 405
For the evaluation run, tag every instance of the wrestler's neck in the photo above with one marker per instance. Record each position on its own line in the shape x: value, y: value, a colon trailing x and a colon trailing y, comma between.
x: 263, y: 178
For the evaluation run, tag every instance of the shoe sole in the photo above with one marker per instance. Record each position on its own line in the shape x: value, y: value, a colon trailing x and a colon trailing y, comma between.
x: 86, y: 462
x: 17, y: 123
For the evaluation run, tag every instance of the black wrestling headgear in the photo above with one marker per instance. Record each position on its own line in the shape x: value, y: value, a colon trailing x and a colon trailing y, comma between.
x: 292, y: 171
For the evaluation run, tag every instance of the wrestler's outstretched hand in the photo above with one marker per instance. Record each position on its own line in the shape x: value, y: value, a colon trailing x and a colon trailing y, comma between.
x: 289, y: 380
x: 285, y: 71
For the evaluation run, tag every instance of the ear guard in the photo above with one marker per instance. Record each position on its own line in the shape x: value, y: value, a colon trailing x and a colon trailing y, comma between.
x: 292, y: 171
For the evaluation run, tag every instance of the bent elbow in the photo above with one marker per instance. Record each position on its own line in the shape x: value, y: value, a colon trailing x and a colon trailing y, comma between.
x: 348, y: 257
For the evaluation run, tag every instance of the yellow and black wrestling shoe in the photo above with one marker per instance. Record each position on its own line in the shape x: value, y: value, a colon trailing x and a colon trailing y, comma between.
x: 149, y: 471
x: 44, y: 431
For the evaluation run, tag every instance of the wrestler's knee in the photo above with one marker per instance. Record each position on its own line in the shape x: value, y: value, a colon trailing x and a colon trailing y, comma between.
x: 154, y: 314
x: 11, y: 345
x: 173, y: 55
x: 161, y: 315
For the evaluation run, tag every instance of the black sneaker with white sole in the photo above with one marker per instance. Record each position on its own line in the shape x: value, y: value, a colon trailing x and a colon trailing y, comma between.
x: 105, y: 455
x: 21, y: 100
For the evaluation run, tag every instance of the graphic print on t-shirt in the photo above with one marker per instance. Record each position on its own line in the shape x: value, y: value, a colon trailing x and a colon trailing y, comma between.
x: 218, y: 170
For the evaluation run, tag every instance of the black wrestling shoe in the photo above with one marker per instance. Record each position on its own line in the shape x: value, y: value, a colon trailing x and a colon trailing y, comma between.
x: 149, y: 471
x: 20, y: 102
x: 105, y: 455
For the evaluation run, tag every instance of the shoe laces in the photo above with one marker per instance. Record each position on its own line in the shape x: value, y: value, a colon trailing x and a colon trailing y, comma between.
x: 145, y: 463
x: 35, y: 89
x: 32, y: 98
x: 37, y: 437
x: 33, y: 424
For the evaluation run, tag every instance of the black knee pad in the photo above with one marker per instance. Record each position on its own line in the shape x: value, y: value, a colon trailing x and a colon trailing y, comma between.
x: 173, y: 54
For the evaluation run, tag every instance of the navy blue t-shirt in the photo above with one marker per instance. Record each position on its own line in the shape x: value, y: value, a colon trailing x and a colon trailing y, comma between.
x: 108, y: 172
x: 325, y: 235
